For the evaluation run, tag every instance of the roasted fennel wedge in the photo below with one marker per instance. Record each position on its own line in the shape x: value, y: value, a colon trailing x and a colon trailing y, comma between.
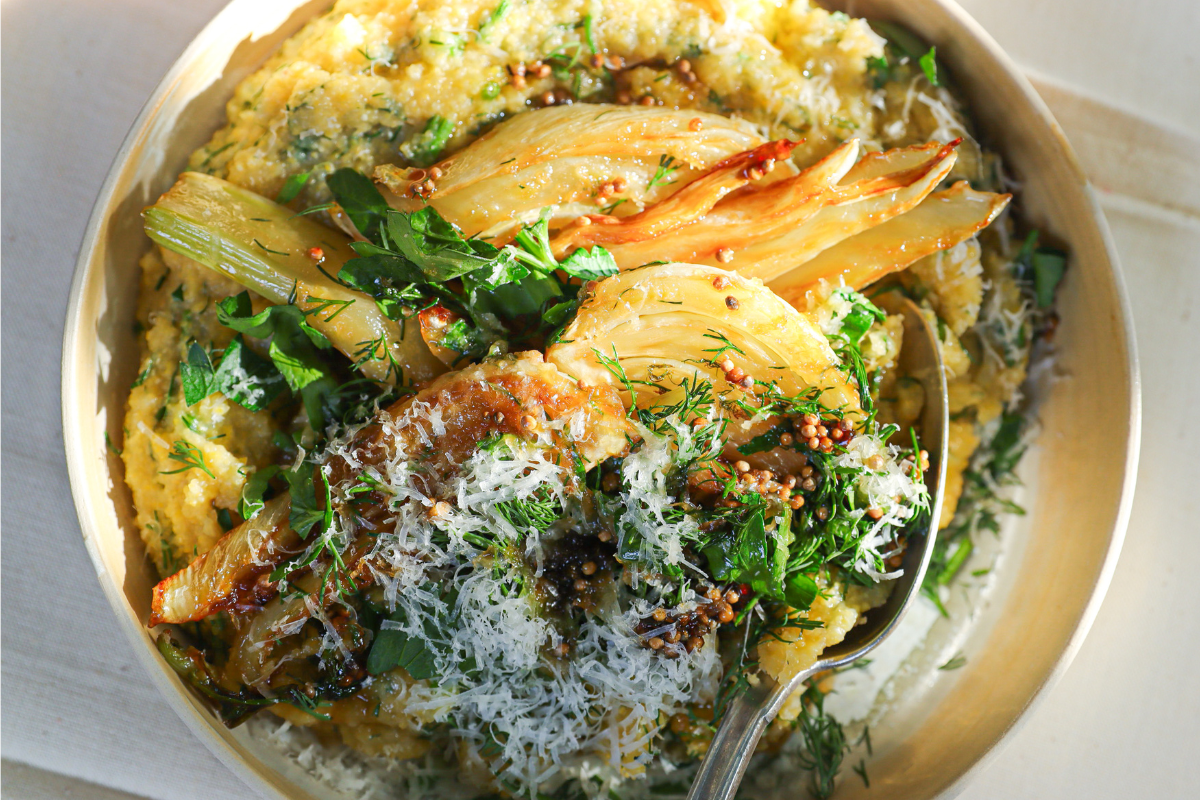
x: 519, y: 395
x: 286, y: 258
x: 685, y: 207
x: 941, y: 221
x: 647, y: 330
x: 213, y: 581
x: 767, y: 229
x: 564, y: 158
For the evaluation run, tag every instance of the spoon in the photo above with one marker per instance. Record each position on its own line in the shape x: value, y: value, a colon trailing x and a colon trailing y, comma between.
x: 749, y: 713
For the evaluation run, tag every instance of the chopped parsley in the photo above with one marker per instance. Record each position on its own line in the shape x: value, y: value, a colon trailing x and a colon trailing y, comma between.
x: 242, y: 375
x: 928, y: 64
x: 416, y: 260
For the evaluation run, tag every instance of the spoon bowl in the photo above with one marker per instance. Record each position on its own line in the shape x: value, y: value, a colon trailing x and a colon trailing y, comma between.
x: 749, y: 713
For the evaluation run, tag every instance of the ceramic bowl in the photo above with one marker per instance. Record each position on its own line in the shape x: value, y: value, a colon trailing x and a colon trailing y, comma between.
x: 1057, y: 559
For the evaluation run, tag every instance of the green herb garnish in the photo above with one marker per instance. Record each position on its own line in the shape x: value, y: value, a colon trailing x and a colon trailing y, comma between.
x: 957, y: 662
x: 394, y: 648
x: 489, y: 18
x: 928, y: 64
x: 292, y: 187
x: 242, y: 375
x: 426, y: 148
x: 662, y: 174
x: 190, y: 456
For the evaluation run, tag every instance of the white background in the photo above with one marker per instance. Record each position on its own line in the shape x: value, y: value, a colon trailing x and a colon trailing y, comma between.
x: 80, y: 719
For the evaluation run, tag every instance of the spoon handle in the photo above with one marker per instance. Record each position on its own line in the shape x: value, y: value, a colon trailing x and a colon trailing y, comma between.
x: 742, y: 725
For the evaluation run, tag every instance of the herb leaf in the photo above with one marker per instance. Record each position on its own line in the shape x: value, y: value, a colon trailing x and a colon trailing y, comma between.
x: 905, y: 41
x: 247, y: 378
x: 957, y: 662
x: 662, y: 175
x: 880, y: 70
x: 535, y: 251
x: 928, y: 64
x: 426, y: 147
x: 1007, y: 448
x: 589, y: 34
x: 1049, y: 265
x: 254, y: 491
x: 752, y: 555
x: 292, y: 187
x: 414, y: 258
x: 243, y: 376
x: 383, y: 276
x: 294, y: 343
x: 863, y: 314
x: 438, y: 249
x: 768, y: 440
x: 589, y: 265
x: 846, y: 343
x: 236, y: 312
x: 361, y: 201
x: 145, y: 373
x: 824, y: 742
x: 799, y: 591
x: 196, y: 374
x: 395, y: 648
x: 305, y: 513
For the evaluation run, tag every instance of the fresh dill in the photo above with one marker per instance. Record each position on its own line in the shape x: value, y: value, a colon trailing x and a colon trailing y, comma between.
x: 292, y: 187
x: 589, y: 35
x: 824, y: 742
x: 377, y: 350
x: 145, y: 373
x: 324, y: 304
x: 663, y: 173
x: 535, y: 513
x: 611, y: 207
x: 190, y: 456
x: 860, y: 769
x: 268, y: 250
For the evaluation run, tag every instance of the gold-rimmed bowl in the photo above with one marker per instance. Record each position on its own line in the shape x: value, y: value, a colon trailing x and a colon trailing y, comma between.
x: 1058, y: 558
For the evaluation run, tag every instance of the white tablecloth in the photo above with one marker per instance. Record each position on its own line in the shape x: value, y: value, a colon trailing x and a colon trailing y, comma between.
x: 81, y: 719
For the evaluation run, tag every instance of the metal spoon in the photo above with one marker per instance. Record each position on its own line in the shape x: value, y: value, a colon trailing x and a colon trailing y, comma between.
x: 748, y: 714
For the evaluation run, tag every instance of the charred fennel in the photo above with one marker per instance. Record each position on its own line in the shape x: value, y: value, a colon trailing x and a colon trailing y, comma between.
x: 286, y: 259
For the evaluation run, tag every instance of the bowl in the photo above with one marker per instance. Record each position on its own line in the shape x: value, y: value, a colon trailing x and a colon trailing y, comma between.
x: 1058, y: 559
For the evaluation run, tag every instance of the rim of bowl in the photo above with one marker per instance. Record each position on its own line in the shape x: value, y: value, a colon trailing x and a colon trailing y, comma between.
x: 78, y: 468
x: 1133, y: 442
x: 165, y: 681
